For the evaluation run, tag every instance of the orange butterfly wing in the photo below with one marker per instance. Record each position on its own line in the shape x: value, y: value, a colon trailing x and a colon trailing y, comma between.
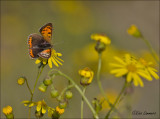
x: 46, y: 32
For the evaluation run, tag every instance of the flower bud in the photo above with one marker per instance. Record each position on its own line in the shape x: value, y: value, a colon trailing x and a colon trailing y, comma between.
x: 134, y: 31
x: 86, y: 76
x: 47, y: 81
x: 57, y: 113
x: 102, y: 42
x: 42, y: 87
x: 7, y: 111
x: 54, y: 93
x: 63, y: 104
x: 59, y: 110
x: 100, y: 47
x: 21, y: 80
x: 68, y: 94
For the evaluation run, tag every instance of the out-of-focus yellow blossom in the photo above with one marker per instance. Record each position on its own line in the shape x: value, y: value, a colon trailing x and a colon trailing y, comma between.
x: 102, y: 38
x: 111, y: 95
x: 131, y: 68
x: 54, y: 58
x: 134, y: 31
x: 87, y: 75
x: 150, y: 70
x: 147, y: 55
x: 7, y: 110
x: 88, y: 56
x: 59, y: 110
x: 21, y: 81
x: 74, y: 13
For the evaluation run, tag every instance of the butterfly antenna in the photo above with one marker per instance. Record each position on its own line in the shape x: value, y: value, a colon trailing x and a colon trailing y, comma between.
x: 58, y: 43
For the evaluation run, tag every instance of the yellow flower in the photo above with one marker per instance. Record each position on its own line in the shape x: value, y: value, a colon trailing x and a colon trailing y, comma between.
x: 26, y: 102
x: 150, y: 70
x: 21, y: 81
x: 59, y: 110
x: 131, y: 68
x: 54, y: 58
x: 41, y: 106
x: 102, y: 38
x: 111, y: 95
x: 50, y: 111
x: 87, y: 76
x: 7, y: 110
x: 133, y: 30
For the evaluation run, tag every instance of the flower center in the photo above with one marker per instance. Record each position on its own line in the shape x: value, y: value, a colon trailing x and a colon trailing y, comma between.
x: 131, y: 68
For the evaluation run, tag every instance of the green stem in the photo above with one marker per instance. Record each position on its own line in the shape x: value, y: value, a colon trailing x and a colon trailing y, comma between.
x: 82, y: 102
x: 80, y: 91
x: 38, y: 75
x: 117, y: 99
x: 151, y: 49
x: 98, y: 79
x: 28, y: 86
x: 64, y: 90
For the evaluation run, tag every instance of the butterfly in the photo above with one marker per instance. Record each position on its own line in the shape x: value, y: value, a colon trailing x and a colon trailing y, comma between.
x: 40, y: 45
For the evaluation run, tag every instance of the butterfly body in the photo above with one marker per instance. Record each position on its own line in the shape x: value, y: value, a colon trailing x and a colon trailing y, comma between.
x: 40, y: 45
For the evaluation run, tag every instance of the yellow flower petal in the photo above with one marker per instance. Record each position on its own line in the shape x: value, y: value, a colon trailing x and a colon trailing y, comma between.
x: 150, y: 68
x: 50, y: 62
x: 59, y: 54
x: 129, y: 77
x: 136, y: 77
x: 43, y: 109
x: 57, y: 60
x: 31, y: 105
x: 39, y: 106
x: 116, y: 65
x: 135, y: 80
x: 54, y: 62
x: 144, y: 74
x: 44, y: 61
x: 114, y: 71
x: 127, y: 58
x: 102, y: 38
x: 119, y: 60
x: 153, y: 73
x: 123, y: 72
x: 26, y: 101
x: 38, y: 60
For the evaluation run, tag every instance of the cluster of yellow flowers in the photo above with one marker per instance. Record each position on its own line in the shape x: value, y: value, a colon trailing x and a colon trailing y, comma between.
x: 42, y: 107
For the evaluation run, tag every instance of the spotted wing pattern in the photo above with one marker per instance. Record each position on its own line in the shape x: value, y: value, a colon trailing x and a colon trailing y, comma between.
x: 46, y: 32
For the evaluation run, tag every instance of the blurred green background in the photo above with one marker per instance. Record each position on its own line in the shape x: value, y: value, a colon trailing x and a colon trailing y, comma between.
x: 74, y: 22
